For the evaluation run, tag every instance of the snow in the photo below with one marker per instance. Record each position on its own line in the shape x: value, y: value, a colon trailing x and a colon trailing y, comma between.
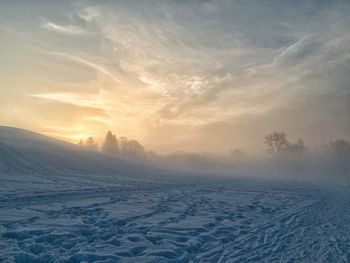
x: 110, y: 218
x: 238, y: 221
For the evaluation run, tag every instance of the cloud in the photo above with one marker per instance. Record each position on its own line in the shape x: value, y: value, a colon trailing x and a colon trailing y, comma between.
x: 81, y: 100
x: 168, y: 65
x: 88, y: 63
x: 184, y: 55
x: 69, y: 30
x: 89, y: 14
x: 297, y: 52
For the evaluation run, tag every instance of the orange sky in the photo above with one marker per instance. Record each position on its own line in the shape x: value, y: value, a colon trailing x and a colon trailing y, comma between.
x: 194, y: 76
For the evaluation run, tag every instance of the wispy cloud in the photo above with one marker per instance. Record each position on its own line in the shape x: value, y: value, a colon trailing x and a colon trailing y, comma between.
x: 82, y: 100
x: 88, y: 63
x: 89, y: 14
x: 175, y: 64
x: 69, y: 30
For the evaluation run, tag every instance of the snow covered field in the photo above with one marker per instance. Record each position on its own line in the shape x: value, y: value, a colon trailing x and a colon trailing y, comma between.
x: 231, y: 220
x: 61, y: 204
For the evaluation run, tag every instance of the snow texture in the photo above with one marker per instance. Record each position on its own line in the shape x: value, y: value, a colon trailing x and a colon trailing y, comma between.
x: 76, y: 217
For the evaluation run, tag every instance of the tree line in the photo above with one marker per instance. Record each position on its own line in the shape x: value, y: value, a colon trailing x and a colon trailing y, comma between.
x: 277, y: 145
x: 125, y: 147
x: 336, y: 153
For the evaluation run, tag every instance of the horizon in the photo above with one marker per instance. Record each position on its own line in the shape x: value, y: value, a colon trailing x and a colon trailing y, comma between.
x: 233, y: 154
x: 194, y: 76
x: 174, y: 131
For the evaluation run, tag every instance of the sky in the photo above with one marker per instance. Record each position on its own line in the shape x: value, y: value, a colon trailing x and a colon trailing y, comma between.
x: 198, y: 76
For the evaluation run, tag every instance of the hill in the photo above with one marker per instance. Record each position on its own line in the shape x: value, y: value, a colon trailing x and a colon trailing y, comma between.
x: 26, y: 152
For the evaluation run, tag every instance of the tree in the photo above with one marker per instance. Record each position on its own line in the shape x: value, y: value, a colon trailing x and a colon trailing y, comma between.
x: 340, y: 147
x: 123, y: 145
x: 81, y: 143
x: 237, y: 154
x: 110, y: 144
x: 276, y: 142
x: 297, y: 148
x: 152, y: 156
x: 340, y: 152
x: 91, y: 144
x: 132, y: 149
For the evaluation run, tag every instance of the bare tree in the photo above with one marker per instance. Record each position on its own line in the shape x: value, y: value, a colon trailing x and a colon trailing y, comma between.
x: 340, y: 151
x: 276, y: 142
x: 297, y: 148
x: 340, y: 147
x: 110, y: 145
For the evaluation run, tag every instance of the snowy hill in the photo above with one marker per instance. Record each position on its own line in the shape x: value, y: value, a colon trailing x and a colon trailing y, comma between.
x: 26, y: 152
x: 61, y: 203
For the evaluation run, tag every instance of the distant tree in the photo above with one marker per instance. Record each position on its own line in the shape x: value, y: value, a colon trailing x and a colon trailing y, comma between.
x: 110, y: 144
x: 91, y: 144
x: 151, y: 155
x: 123, y: 145
x: 276, y: 142
x: 237, y: 153
x: 340, y: 147
x: 340, y: 151
x: 297, y: 148
x: 81, y: 143
x: 132, y: 149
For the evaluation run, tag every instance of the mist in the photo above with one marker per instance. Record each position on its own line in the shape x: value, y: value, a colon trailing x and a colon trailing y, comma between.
x: 174, y: 131
x: 193, y: 76
x: 281, y: 158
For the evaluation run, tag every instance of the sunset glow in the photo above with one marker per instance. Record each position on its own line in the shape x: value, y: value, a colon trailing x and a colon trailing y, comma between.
x: 182, y: 75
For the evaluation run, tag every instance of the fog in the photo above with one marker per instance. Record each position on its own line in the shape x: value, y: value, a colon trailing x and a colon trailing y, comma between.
x: 319, y: 166
x: 174, y: 131
x: 193, y: 76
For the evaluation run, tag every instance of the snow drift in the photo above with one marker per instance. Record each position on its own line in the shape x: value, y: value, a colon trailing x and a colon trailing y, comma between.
x: 26, y: 152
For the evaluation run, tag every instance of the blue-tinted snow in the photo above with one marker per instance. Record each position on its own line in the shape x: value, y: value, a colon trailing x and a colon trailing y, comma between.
x: 46, y: 216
